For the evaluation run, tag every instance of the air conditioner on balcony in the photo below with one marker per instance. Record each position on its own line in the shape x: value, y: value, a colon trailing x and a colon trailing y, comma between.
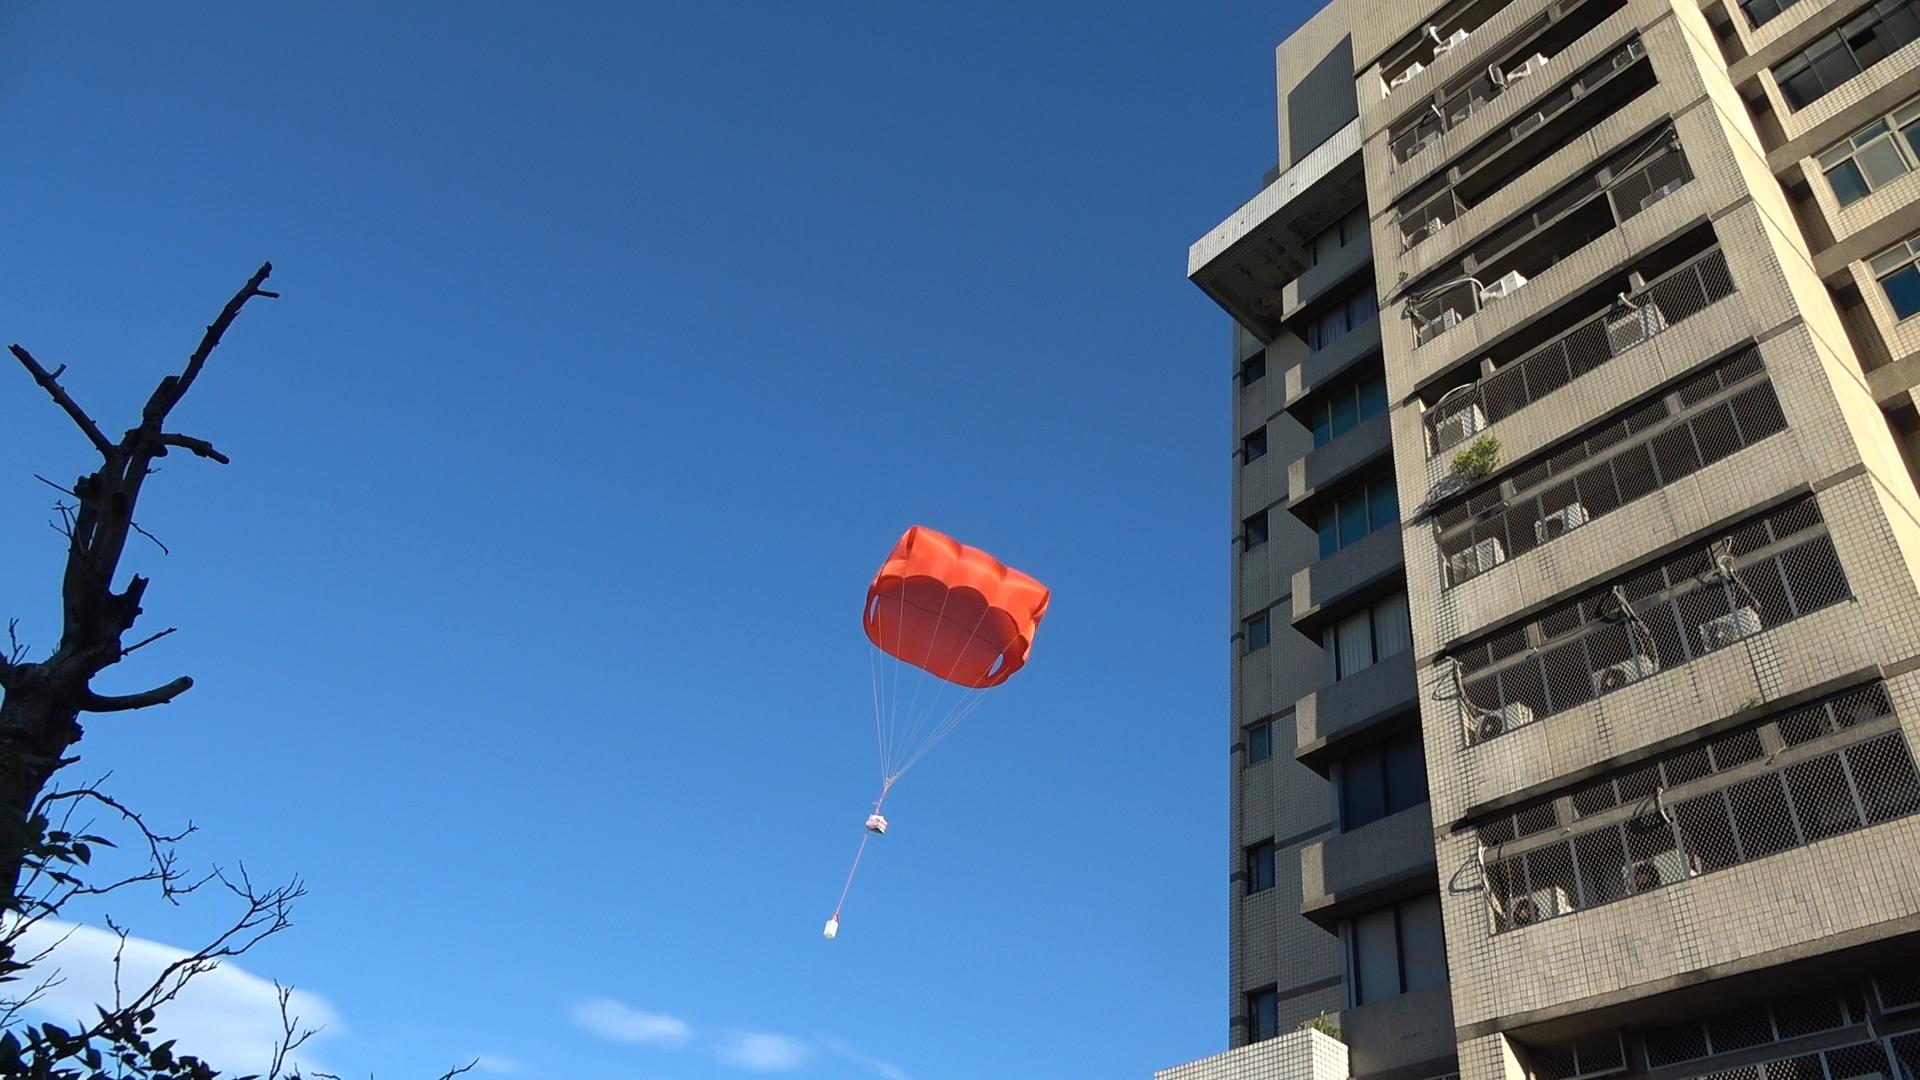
x: 1624, y: 673
x: 1508, y: 284
x: 1651, y: 873
x: 1400, y: 80
x: 1458, y: 427
x: 1443, y: 47
x: 1477, y: 559
x: 1530, y: 66
x: 1538, y: 904
x: 1661, y: 192
x: 1636, y: 326
x: 1727, y: 629
x: 1560, y: 522
x: 1489, y: 723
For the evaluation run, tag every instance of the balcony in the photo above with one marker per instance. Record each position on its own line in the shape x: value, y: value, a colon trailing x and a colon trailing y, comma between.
x: 1332, y: 718
x: 1538, y: 44
x: 1637, y: 176
x: 1354, y: 574
x: 1377, y: 863
x: 1407, y: 1036
x: 1618, y: 321
x: 1246, y: 262
x: 1310, y: 479
x: 1333, y: 364
x: 1294, y: 1055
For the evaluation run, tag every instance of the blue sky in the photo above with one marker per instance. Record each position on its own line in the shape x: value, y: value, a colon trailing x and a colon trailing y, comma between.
x: 618, y: 345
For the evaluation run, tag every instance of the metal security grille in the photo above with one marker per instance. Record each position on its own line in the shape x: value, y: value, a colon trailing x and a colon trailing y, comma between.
x: 1680, y: 430
x: 1745, y: 1029
x: 1596, y: 1055
x: 1817, y: 771
x: 1755, y: 576
x: 1672, y: 299
x: 1898, y: 990
x: 1865, y: 1061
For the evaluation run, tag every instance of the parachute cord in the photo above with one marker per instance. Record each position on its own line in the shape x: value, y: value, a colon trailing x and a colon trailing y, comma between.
x: 865, y: 835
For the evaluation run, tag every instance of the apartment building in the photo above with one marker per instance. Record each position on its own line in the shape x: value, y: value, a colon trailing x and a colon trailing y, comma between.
x: 1576, y: 545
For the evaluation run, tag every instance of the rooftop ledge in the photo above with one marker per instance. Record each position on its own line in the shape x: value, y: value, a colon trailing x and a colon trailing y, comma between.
x: 1246, y: 260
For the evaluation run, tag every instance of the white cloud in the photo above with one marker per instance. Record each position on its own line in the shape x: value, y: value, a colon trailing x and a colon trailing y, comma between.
x: 765, y: 1051
x: 227, y: 1017
x: 883, y: 1070
x: 619, y: 1022
x: 493, y: 1063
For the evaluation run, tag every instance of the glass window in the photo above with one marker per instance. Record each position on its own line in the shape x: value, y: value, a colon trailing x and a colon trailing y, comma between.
x: 1423, y: 946
x: 1874, y: 155
x: 1254, y: 446
x: 1263, y: 1014
x: 1362, y: 307
x: 1353, y: 643
x: 1323, y: 424
x: 1393, y: 628
x: 1894, y: 268
x: 1259, y: 632
x: 1254, y: 530
x: 1353, y: 517
x: 1833, y: 58
x: 1259, y: 742
x: 1383, y: 504
x: 1373, y: 390
x: 1260, y: 859
x: 1329, y: 532
x: 1353, y: 227
x: 1345, y: 412
x: 1253, y: 369
x: 1362, y: 786
x: 1376, y: 956
x: 1406, y: 772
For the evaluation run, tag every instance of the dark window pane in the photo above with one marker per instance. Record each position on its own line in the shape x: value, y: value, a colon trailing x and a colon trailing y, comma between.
x: 1260, y: 859
x: 1383, y: 504
x: 1253, y: 369
x: 1406, y: 773
x: 1322, y: 424
x: 1346, y: 412
x: 1847, y: 181
x: 1259, y: 631
x: 1363, y: 799
x: 1373, y: 395
x: 1259, y: 743
x: 1353, y: 517
x: 1254, y: 446
x: 1263, y: 1015
x: 1329, y: 531
x: 1903, y: 291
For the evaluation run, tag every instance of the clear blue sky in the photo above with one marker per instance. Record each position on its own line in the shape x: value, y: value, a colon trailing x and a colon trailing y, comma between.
x: 618, y: 344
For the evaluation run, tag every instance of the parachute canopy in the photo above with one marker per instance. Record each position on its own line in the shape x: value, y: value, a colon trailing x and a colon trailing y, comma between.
x: 953, y: 610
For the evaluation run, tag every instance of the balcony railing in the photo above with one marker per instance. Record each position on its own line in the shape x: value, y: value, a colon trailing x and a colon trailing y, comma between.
x: 1626, y: 193
x: 1817, y: 771
x: 1756, y: 576
x: 1672, y: 299
x: 1682, y: 429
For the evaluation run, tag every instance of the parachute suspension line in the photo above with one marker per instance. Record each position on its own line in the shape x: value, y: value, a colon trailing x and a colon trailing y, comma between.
x: 916, y: 743
x: 879, y: 716
x: 960, y: 711
x: 933, y: 639
x: 865, y: 835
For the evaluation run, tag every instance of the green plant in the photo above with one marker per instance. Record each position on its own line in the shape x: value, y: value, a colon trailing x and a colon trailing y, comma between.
x: 1324, y: 1024
x: 1479, y: 459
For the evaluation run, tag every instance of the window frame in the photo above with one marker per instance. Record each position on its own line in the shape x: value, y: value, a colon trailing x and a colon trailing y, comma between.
x: 1264, y: 621
x: 1268, y: 996
x: 1253, y: 445
x: 1357, y: 994
x: 1900, y: 127
x: 1263, y: 867
x: 1258, y: 524
x: 1259, y: 740
x: 1903, y: 257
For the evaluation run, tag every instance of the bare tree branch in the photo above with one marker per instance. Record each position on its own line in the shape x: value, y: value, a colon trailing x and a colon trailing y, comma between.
x: 173, y: 388
x: 164, y: 550
x: 148, y: 640
x: 159, y: 695
x: 199, y: 446
x: 50, y: 382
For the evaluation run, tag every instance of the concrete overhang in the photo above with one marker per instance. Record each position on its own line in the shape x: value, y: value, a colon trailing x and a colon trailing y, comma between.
x: 1245, y: 263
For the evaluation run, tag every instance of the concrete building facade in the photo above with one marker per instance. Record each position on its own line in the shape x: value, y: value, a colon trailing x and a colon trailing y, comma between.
x: 1576, y: 545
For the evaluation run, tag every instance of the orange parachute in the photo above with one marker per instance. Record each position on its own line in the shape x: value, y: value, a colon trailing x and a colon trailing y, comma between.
x: 953, y: 610
x: 942, y: 609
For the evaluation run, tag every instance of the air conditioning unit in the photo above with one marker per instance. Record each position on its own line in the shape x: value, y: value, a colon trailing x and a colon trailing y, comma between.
x: 1651, y: 873
x: 1525, y: 127
x: 1530, y: 66
x: 1560, y: 522
x: 1661, y: 192
x: 1508, y: 284
x: 1727, y: 629
x: 1636, y: 326
x: 1445, y: 321
x: 1400, y: 80
x: 1489, y: 723
x: 1538, y: 904
x: 1477, y: 559
x: 1458, y: 427
x: 1453, y: 42
x: 1624, y: 673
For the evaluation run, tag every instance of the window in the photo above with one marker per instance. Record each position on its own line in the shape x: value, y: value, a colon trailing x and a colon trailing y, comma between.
x: 1259, y: 742
x: 1253, y: 368
x: 1368, y: 635
x: 1858, y: 44
x: 1254, y: 530
x: 1344, y: 315
x: 1348, y: 230
x: 1253, y: 447
x: 1898, y: 277
x: 1382, y: 779
x: 1358, y: 513
x: 1260, y: 859
x: 1759, y: 12
x: 1259, y: 631
x: 1395, y: 950
x: 1882, y: 151
x: 1263, y: 1014
x: 1347, y: 406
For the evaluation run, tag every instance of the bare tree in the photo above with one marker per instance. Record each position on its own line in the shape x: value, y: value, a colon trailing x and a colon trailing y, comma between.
x: 41, y: 700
